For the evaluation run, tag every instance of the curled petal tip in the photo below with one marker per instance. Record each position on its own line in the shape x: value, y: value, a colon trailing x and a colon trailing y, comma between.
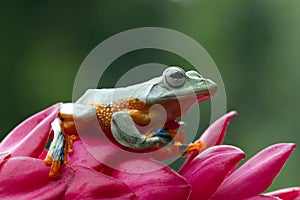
x: 233, y: 112
x: 215, y: 133
x: 263, y: 197
x: 292, y: 193
x: 281, y: 147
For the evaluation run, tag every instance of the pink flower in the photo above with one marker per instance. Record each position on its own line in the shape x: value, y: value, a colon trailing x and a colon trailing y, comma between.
x: 24, y: 176
x: 210, y: 174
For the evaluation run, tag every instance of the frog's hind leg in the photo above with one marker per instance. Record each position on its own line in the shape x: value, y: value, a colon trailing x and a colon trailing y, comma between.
x: 65, y: 134
x: 57, y: 150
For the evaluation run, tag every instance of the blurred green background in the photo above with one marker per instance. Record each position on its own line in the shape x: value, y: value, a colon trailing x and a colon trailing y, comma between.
x: 254, y: 43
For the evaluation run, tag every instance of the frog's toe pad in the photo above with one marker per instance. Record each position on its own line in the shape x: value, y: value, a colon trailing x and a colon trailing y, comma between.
x: 55, y: 169
x: 196, y: 146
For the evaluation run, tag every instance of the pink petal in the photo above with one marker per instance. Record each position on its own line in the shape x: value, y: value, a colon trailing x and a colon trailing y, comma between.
x: 43, y: 155
x: 256, y: 174
x: 96, y: 152
x: 94, y: 148
x: 90, y: 184
x: 82, y: 156
x: 207, y: 171
x: 3, y: 156
x: 214, y: 134
x: 30, y: 137
x: 262, y: 197
x: 292, y: 193
x: 27, y: 178
x: 152, y: 180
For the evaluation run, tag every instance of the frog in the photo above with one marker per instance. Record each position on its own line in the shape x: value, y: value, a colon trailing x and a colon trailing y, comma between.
x: 141, y: 117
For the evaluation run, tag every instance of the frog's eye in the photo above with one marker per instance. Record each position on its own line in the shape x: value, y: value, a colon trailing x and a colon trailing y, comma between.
x: 174, y: 76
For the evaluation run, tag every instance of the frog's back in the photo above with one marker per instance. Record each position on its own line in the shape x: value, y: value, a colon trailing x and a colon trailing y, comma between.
x: 102, y: 96
x: 110, y: 95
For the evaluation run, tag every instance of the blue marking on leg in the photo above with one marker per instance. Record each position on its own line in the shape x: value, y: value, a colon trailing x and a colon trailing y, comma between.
x: 162, y: 133
x: 59, y: 149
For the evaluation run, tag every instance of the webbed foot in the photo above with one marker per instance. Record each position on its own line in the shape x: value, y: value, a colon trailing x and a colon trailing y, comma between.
x: 183, y: 149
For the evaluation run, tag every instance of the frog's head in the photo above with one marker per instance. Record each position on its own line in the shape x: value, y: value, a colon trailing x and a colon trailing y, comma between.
x: 176, y: 90
x: 174, y: 84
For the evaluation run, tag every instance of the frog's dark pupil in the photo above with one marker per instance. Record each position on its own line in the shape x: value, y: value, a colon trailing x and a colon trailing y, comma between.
x: 177, y: 75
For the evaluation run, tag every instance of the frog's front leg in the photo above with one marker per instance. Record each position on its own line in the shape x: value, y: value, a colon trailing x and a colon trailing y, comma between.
x: 125, y: 132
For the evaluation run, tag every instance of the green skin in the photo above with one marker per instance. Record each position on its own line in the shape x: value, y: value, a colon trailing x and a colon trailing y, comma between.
x: 171, y: 95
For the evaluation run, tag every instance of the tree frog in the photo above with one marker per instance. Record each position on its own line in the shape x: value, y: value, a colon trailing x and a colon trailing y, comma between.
x: 140, y: 117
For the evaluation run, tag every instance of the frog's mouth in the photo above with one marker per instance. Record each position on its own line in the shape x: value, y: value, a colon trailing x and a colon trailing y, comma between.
x: 206, y: 94
x: 177, y: 108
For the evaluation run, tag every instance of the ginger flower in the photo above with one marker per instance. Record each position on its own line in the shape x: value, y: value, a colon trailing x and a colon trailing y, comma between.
x: 209, y: 174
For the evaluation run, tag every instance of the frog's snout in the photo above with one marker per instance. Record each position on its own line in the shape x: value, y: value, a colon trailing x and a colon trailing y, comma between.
x: 208, y: 89
x: 211, y: 86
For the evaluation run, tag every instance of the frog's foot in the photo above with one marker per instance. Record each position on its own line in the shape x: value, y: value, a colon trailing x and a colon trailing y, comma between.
x: 163, y: 133
x: 188, y: 149
x: 177, y: 142
x: 59, y: 149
